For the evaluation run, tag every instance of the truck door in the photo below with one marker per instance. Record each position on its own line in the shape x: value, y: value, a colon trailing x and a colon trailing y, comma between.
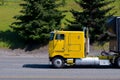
x: 59, y: 43
x: 51, y: 43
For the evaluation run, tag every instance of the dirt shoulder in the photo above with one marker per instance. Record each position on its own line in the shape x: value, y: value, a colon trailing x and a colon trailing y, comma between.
x: 41, y: 52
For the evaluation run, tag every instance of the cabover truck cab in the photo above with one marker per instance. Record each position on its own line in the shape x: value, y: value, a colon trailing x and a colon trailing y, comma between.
x: 68, y: 48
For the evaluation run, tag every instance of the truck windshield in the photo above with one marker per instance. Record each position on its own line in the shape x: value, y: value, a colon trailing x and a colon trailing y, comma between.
x: 51, y: 36
x: 59, y: 37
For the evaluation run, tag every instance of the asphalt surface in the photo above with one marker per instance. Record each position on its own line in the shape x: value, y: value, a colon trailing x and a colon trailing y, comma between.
x: 38, y: 68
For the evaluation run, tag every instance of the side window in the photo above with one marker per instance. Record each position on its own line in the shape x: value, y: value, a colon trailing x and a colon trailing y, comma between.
x: 59, y: 37
x: 51, y: 36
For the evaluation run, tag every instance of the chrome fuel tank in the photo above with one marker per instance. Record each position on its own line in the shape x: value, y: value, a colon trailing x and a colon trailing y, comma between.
x: 87, y: 61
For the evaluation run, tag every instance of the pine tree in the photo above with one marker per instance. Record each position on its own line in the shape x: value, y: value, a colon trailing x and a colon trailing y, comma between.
x: 93, y: 16
x: 2, y: 2
x: 38, y: 18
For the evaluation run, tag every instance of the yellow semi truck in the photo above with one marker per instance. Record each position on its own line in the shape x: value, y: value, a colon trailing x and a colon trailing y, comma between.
x: 68, y: 48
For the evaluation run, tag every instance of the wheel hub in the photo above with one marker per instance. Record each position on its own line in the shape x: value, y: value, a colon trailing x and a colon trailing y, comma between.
x: 58, y: 62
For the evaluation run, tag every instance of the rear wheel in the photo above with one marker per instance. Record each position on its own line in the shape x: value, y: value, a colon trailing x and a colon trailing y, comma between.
x: 58, y: 62
x: 118, y: 62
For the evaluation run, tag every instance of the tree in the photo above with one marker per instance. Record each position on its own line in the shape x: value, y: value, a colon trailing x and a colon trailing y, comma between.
x: 2, y: 2
x: 39, y: 17
x: 93, y: 16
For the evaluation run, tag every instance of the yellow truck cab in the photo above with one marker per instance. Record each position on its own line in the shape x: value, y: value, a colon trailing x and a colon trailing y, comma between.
x: 68, y: 48
x: 67, y: 44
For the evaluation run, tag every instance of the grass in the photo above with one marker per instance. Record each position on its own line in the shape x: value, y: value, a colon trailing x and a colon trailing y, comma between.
x: 7, y: 12
x: 8, y: 39
x: 116, y: 4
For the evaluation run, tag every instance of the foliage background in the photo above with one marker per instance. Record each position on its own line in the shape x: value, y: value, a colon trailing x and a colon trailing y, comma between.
x: 8, y: 39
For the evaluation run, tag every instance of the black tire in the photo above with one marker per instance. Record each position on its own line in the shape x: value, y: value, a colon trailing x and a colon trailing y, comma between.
x: 58, y: 62
x: 118, y: 62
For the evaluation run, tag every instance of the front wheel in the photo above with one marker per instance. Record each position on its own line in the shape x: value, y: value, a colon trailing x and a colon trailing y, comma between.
x: 58, y: 62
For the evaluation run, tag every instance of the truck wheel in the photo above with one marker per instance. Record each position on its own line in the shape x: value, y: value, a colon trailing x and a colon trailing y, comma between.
x: 58, y: 62
x: 118, y: 62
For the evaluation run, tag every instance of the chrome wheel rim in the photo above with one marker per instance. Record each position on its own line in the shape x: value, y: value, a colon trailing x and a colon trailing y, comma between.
x: 58, y: 63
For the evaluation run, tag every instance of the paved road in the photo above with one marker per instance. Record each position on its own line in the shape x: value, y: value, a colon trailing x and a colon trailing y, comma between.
x: 35, y: 68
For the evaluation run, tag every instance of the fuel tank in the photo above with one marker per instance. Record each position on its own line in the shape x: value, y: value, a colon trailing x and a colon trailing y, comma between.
x: 87, y: 61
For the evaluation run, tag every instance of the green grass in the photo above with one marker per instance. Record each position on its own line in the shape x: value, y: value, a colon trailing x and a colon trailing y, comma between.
x: 116, y: 4
x: 8, y: 39
x: 7, y: 12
